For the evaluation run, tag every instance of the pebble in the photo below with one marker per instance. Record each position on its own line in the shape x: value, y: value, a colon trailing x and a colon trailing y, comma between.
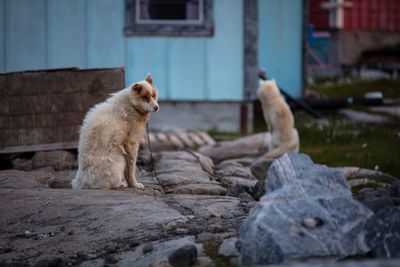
x: 147, y: 247
x: 181, y: 231
x: 184, y: 256
x: 227, y: 215
x: 133, y: 243
x: 203, y: 237
x: 214, y: 228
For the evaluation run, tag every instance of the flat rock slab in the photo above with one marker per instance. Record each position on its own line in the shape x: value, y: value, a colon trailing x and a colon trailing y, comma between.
x: 365, y: 117
x: 64, y: 222
x: 255, y: 144
x: 393, y: 110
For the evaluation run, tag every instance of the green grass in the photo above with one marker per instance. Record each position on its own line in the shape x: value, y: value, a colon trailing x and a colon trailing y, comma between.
x: 342, y: 143
x: 389, y: 87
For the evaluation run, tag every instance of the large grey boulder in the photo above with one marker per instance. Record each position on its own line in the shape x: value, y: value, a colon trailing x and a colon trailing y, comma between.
x: 307, y: 211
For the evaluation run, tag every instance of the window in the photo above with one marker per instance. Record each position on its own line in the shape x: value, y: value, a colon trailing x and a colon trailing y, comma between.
x: 169, y: 18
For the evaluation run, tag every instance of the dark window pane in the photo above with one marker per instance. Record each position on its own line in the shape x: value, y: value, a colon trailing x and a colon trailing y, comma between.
x: 169, y: 9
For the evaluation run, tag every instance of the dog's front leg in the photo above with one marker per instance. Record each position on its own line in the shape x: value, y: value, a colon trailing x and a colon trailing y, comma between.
x: 132, y: 151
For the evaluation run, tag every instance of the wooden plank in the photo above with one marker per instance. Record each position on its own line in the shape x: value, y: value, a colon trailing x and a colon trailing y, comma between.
x: 66, y: 33
x: 39, y: 147
x: 26, y: 35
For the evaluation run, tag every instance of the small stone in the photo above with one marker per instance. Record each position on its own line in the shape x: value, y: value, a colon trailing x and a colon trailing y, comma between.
x: 147, y: 247
x: 110, y: 259
x: 214, y: 228
x: 181, y: 231
x: 203, y: 237
x: 246, y: 197
x: 312, y: 222
x: 236, y: 190
x: 227, y: 215
x: 228, y: 248
x: 258, y: 190
x: 52, y: 262
x: 184, y: 256
x: 133, y: 243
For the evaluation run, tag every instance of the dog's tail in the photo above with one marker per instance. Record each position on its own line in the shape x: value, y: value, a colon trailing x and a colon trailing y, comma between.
x: 291, y: 146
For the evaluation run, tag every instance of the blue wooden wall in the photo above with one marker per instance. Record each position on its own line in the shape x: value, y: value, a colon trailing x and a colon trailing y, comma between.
x: 40, y: 34
x: 280, y: 42
x: 43, y: 34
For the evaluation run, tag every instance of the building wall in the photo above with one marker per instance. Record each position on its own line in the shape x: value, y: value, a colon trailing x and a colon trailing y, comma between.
x: 363, y: 15
x: 280, y: 42
x: 43, y: 34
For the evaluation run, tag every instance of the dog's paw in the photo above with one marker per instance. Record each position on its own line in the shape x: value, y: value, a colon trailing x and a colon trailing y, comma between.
x: 138, y: 185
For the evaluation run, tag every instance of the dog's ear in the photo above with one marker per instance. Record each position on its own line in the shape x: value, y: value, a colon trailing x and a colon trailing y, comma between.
x: 149, y: 79
x: 137, y: 88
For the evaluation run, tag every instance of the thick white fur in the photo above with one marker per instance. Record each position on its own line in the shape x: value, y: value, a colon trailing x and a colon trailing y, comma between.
x: 280, y: 121
x: 110, y: 136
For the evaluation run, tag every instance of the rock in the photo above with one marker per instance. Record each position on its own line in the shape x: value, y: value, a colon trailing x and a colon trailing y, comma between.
x: 395, y: 189
x: 228, y: 248
x: 21, y: 179
x: 375, y: 199
x: 214, y: 228
x: 133, y: 243
x: 51, y: 262
x: 147, y: 247
x: 205, y: 207
x: 383, y: 233
x: 299, y: 193
x: 22, y: 164
x: 236, y: 190
x: 227, y: 215
x: 184, y: 256
x: 62, y: 179
x: 255, y: 144
x: 183, y: 172
x: 203, y: 237
x: 246, y: 197
x: 58, y: 159
x: 258, y: 190
x: 181, y: 231
x: 260, y: 167
x: 82, y: 220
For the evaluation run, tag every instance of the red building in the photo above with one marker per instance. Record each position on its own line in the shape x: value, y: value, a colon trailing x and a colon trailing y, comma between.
x: 354, y: 26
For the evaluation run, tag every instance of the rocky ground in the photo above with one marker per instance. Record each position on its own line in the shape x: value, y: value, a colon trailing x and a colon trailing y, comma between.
x: 189, y: 214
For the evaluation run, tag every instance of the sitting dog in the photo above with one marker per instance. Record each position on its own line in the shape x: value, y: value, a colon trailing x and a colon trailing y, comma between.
x: 279, y: 119
x: 110, y: 136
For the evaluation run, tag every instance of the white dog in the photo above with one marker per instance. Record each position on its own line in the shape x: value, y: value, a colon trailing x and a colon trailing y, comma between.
x: 279, y: 119
x: 110, y: 137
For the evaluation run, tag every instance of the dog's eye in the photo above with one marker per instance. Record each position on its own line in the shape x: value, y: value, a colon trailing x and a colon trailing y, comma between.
x: 153, y: 95
x: 146, y: 98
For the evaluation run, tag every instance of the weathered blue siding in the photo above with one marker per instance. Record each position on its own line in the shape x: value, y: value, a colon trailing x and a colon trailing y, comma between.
x: 43, y: 34
x: 89, y: 33
x: 280, y: 42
